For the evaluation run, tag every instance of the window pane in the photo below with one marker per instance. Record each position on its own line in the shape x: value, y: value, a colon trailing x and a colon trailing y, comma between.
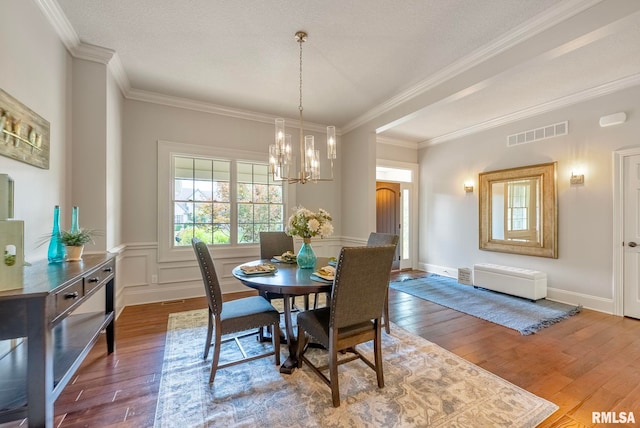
x: 275, y: 194
x: 222, y: 170
x: 245, y: 172
x: 245, y: 192
x: 245, y: 213
x: 183, y: 168
x: 203, y: 212
x: 203, y: 169
x: 221, y: 213
x: 275, y: 213
x: 261, y: 174
x: 221, y: 233
x: 183, y: 190
x: 220, y: 192
x: 202, y: 190
x: 261, y: 213
x: 260, y: 193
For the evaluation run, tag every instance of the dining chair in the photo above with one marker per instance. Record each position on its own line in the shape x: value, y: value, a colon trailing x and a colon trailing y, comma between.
x: 349, y: 319
x: 376, y: 238
x: 233, y: 316
x: 275, y: 244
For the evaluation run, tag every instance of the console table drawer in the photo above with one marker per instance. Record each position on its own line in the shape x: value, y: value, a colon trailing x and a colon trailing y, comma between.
x: 68, y: 296
x: 98, y: 276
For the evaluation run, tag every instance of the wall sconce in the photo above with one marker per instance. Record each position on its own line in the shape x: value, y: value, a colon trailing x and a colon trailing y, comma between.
x: 576, y: 178
x: 468, y: 186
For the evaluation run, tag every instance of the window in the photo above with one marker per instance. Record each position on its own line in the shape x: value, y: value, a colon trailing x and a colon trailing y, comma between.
x: 213, y: 198
x: 259, y: 202
x: 521, y: 207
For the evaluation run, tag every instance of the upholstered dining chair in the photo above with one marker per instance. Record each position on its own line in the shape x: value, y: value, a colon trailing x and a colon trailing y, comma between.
x: 376, y: 238
x: 274, y: 244
x: 349, y: 319
x: 233, y: 316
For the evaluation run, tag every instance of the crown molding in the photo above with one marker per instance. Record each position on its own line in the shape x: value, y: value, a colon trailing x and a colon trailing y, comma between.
x: 117, y: 69
x: 205, y: 107
x: 59, y: 22
x: 396, y: 142
x: 67, y: 34
x: 569, y: 100
x: 553, y: 16
x: 93, y: 53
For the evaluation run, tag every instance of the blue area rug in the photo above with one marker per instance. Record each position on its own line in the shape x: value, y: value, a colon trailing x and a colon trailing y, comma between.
x: 517, y: 313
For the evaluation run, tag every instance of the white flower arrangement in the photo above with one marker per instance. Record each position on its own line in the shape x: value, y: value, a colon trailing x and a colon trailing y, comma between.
x: 307, y: 224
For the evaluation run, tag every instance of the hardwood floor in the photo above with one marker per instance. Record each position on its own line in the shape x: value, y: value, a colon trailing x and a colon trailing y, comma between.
x: 587, y: 363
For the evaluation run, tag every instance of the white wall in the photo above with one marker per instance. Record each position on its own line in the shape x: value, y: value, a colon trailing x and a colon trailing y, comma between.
x: 358, y: 188
x: 36, y: 70
x: 449, y: 216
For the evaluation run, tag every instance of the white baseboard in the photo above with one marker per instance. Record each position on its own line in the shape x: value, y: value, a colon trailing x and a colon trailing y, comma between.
x: 439, y: 270
x: 595, y: 303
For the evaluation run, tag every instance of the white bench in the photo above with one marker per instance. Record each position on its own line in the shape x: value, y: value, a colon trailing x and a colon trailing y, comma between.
x: 530, y: 284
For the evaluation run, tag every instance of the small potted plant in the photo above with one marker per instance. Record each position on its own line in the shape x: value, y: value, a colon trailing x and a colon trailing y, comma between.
x: 75, y: 240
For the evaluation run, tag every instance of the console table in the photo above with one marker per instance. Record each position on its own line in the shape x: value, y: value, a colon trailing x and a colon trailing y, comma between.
x: 34, y: 373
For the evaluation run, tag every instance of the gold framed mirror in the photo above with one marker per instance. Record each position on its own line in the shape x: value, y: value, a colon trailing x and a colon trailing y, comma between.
x: 518, y: 210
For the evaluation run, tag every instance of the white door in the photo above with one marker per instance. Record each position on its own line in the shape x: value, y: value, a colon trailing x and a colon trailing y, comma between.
x: 632, y: 236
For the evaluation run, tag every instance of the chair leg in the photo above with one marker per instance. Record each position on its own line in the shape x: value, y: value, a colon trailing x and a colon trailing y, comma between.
x: 377, y: 349
x: 333, y: 377
x: 387, y: 325
x: 207, y: 344
x: 275, y: 339
x: 216, y: 355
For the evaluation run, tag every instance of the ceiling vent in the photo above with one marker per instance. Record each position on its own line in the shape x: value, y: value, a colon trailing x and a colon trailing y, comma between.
x: 538, y: 134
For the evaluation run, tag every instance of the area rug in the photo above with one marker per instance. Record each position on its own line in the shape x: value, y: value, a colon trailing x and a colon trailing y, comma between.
x: 425, y: 385
x: 517, y: 313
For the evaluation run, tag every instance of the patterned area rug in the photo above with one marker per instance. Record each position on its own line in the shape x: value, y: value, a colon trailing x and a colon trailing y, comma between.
x: 425, y: 385
x: 517, y: 313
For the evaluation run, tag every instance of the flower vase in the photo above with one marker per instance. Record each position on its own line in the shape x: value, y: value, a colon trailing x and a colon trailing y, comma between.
x: 306, y: 258
x: 74, y: 220
x: 57, y: 251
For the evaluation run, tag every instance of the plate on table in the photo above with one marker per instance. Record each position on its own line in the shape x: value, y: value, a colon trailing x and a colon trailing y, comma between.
x: 333, y: 262
x: 261, y: 269
x: 326, y: 273
x: 322, y: 278
x: 280, y: 259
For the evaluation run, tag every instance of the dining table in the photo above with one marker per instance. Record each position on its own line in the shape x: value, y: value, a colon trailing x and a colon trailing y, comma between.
x: 289, y: 281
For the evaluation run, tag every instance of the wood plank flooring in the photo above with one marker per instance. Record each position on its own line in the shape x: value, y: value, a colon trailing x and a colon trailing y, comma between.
x: 587, y: 363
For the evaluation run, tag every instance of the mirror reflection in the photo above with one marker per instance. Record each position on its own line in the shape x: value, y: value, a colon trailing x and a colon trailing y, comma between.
x: 515, y: 207
x: 518, y: 210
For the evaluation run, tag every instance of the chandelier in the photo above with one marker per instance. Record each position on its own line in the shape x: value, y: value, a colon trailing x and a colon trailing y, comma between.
x: 281, y: 160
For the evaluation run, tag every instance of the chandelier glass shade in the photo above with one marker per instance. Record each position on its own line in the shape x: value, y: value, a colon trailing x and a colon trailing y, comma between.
x: 283, y: 163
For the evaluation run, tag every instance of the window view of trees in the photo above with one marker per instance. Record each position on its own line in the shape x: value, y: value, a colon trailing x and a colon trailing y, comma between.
x: 203, y: 201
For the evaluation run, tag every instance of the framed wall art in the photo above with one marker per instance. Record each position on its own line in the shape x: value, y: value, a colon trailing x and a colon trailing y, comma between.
x: 24, y: 135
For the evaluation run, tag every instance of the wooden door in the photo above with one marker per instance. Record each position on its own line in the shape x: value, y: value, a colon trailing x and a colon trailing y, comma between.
x: 388, y: 213
x: 632, y: 236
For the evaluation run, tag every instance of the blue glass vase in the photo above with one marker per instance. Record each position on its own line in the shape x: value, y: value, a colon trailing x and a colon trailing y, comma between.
x: 306, y: 258
x: 74, y: 220
x: 57, y: 251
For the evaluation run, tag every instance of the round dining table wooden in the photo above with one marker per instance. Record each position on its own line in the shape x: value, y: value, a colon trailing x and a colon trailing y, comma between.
x: 289, y: 281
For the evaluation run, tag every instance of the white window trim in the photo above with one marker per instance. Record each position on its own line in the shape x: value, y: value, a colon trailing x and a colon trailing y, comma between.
x: 166, y: 151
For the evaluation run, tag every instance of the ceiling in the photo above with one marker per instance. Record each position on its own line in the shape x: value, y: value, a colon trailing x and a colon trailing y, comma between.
x: 420, y: 71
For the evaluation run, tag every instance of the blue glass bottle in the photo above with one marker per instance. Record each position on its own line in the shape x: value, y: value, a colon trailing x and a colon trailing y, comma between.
x: 306, y: 258
x: 57, y: 251
x: 74, y: 220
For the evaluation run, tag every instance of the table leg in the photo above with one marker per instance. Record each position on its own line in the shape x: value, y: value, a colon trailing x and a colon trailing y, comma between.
x: 291, y: 362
